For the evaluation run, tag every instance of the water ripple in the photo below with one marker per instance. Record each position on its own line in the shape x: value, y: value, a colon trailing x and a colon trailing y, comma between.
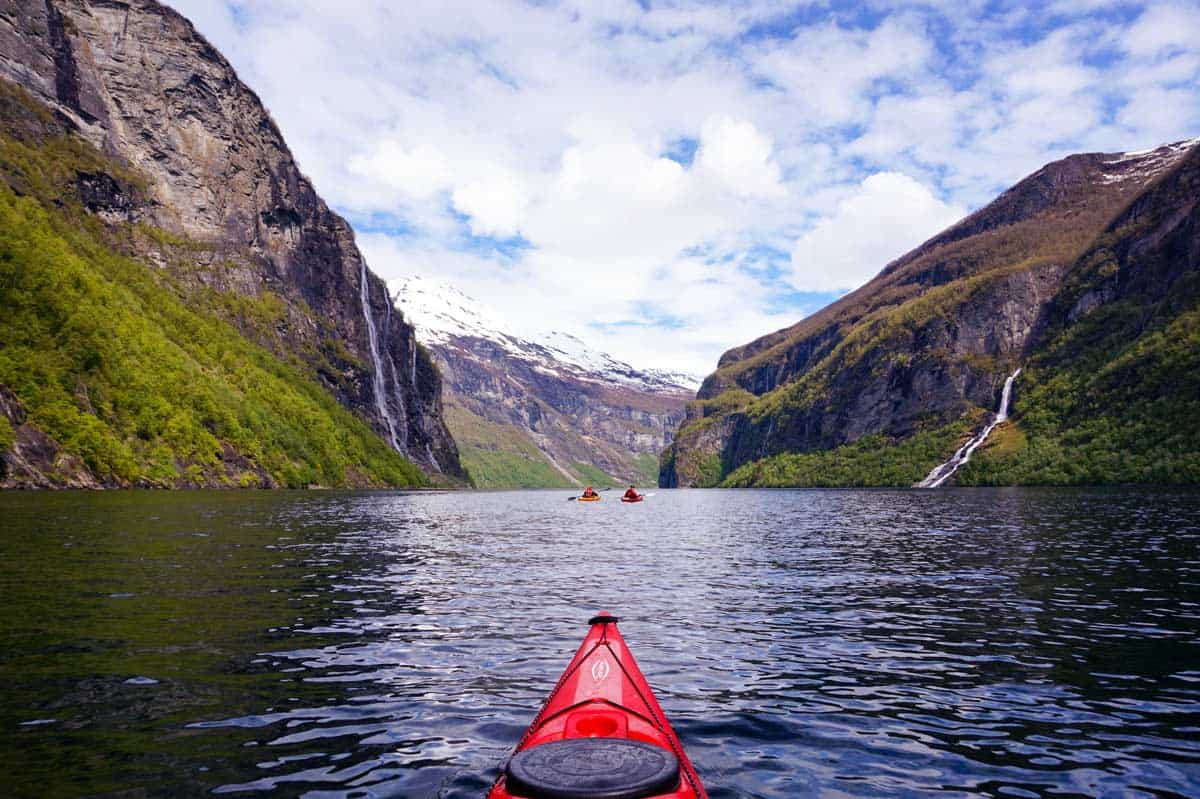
x: 835, y: 643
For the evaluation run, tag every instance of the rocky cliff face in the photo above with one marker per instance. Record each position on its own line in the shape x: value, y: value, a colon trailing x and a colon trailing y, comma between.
x: 927, y: 341
x: 541, y: 411
x: 137, y: 80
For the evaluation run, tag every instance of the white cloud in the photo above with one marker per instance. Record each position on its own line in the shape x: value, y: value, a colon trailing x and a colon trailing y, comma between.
x: 738, y: 156
x: 1163, y: 27
x: 496, y: 204
x: 419, y: 173
x: 551, y: 121
x: 889, y: 214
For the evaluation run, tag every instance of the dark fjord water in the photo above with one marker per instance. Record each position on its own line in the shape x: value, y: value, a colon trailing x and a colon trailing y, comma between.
x: 834, y: 643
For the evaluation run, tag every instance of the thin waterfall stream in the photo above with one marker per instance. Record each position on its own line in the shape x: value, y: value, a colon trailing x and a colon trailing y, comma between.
x: 377, y: 376
x: 942, y: 473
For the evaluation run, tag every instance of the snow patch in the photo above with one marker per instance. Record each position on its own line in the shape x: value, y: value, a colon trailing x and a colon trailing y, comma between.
x: 442, y: 313
x: 1144, y: 165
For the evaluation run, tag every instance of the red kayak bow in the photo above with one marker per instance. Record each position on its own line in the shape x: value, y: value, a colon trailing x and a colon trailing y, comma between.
x: 638, y: 498
x: 601, y: 734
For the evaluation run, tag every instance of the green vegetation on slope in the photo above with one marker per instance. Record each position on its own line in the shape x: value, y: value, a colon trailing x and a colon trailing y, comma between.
x: 647, y: 466
x: 109, y: 361
x: 1113, y: 395
x: 923, y: 324
x: 496, y: 456
x: 1110, y: 413
x: 592, y: 476
x: 874, y: 460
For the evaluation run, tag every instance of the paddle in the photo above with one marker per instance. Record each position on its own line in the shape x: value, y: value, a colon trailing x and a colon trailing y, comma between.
x: 572, y: 499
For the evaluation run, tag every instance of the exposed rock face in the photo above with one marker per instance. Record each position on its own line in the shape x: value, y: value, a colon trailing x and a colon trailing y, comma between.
x: 1148, y: 255
x: 574, y: 405
x: 932, y: 336
x: 35, y: 460
x: 138, y: 81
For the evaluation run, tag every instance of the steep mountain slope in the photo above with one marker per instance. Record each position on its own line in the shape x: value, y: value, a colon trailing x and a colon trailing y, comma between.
x: 545, y: 411
x: 1112, y: 392
x: 887, y: 380
x: 195, y: 180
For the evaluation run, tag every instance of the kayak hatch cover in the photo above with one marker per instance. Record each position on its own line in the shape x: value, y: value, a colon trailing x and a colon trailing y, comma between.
x: 601, y: 734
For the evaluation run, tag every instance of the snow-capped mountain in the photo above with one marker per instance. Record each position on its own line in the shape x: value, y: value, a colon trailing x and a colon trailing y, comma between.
x: 442, y: 313
x: 540, y: 410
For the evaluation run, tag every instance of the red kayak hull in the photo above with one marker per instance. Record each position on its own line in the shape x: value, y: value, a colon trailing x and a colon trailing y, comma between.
x: 603, y: 694
x: 627, y: 499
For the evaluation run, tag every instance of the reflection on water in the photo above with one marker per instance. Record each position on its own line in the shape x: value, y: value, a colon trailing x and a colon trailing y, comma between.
x: 841, y: 643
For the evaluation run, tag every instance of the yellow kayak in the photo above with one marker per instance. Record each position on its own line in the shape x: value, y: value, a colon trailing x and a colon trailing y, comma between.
x: 590, y: 499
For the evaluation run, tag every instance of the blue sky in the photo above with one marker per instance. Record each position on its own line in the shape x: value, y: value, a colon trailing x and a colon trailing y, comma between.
x: 668, y: 180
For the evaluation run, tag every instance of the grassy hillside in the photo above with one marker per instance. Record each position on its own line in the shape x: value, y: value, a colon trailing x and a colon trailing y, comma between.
x: 496, y: 456
x: 110, y: 361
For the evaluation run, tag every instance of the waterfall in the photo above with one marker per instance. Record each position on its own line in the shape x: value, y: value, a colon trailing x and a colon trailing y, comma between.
x: 399, y: 394
x: 413, y: 365
x: 377, y: 377
x: 942, y: 473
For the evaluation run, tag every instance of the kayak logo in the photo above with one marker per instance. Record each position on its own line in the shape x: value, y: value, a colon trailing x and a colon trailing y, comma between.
x: 599, y: 670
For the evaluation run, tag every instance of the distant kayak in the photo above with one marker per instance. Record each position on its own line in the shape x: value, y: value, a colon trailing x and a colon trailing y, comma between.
x: 590, y: 499
x: 601, y: 733
x: 639, y: 498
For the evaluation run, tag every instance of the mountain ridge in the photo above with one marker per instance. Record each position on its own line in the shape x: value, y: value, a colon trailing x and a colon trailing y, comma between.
x: 927, y: 341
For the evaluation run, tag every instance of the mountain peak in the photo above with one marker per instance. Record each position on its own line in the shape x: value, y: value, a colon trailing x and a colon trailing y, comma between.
x: 442, y: 313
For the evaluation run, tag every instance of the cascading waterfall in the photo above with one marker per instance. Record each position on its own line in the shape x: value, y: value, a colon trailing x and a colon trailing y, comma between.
x: 942, y: 473
x: 376, y: 361
x: 387, y: 326
x: 413, y: 365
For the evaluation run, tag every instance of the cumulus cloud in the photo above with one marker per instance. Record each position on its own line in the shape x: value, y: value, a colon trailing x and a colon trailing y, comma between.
x: 739, y: 157
x: 495, y: 204
x: 889, y: 214
x: 419, y: 173
x: 662, y: 179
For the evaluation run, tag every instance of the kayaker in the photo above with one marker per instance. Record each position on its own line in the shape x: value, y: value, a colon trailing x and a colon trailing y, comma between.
x: 590, y: 492
x: 631, y: 493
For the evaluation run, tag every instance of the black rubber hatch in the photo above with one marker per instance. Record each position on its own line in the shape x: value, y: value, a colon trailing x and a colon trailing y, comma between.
x: 592, y: 768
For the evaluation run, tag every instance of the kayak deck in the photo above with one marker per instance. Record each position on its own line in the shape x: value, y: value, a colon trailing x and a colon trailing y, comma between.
x: 605, y: 733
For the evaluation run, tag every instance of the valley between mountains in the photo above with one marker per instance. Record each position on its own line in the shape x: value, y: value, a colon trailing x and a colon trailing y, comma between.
x: 179, y: 308
x: 544, y: 411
